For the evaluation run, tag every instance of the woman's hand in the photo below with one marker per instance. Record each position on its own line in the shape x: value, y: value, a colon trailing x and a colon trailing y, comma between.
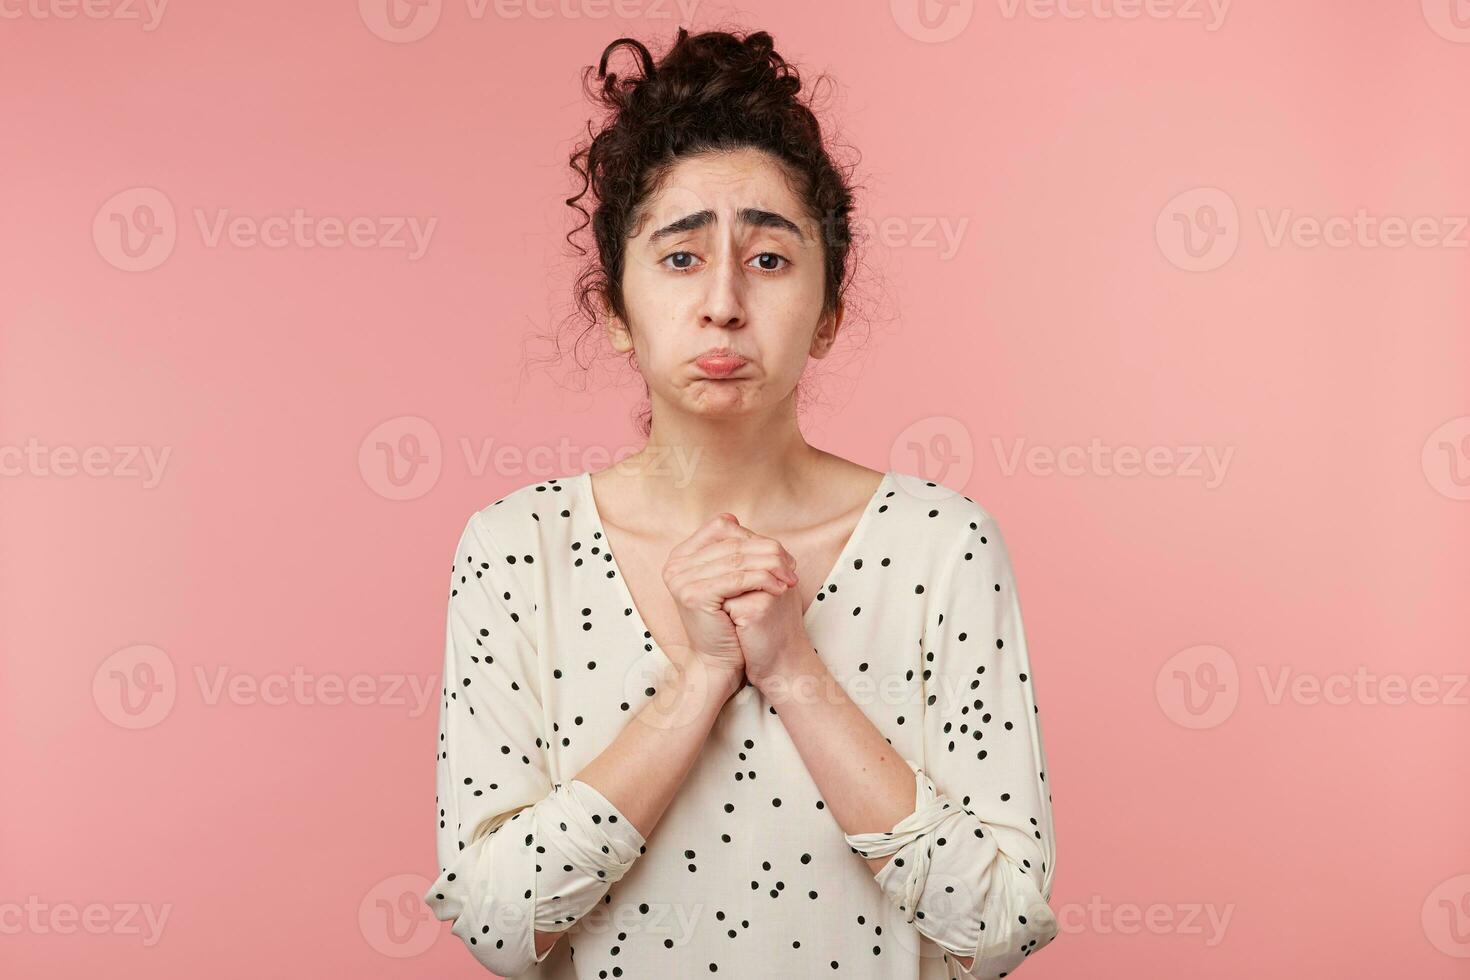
x: 717, y: 563
x: 768, y: 622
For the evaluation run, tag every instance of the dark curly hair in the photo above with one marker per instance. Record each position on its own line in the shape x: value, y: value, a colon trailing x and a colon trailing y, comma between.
x: 711, y: 92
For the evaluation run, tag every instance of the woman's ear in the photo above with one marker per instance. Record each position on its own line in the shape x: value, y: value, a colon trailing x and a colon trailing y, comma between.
x: 618, y: 333
x: 826, y: 334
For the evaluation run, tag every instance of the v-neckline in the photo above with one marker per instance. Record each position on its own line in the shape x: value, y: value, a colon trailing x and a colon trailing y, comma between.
x: 848, y: 547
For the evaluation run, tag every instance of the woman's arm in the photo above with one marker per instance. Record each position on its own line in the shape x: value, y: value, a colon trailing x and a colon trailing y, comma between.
x: 969, y: 857
x: 862, y: 778
x: 523, y: 858
x: 864, y: 781
x: 644, y: 766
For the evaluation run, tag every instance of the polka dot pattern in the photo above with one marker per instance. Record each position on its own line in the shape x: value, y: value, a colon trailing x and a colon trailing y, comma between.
x: 746, y: 873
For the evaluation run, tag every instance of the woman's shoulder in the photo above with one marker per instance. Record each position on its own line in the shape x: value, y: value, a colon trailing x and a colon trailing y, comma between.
x: 951, y: 528
x: 516, y: 518
x: 935, y: 506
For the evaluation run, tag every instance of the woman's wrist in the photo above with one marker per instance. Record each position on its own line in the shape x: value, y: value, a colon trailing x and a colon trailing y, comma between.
x: 721, y: 682
x: 692, y: 694
x: 800, y: 668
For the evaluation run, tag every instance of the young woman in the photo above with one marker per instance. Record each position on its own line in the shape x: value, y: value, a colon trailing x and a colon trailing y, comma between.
x: 736, y: 706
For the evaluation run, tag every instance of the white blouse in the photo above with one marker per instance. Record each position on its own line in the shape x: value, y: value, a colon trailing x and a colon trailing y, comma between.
x: 747, y: 874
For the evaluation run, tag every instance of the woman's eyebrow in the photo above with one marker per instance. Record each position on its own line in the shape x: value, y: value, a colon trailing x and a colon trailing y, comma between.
x: 755, y: 217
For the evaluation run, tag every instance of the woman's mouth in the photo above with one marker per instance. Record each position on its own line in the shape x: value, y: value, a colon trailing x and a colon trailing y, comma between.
x: 720, y: 365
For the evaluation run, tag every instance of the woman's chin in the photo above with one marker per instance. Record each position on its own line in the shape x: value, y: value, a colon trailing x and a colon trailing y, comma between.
x: 723, y: 403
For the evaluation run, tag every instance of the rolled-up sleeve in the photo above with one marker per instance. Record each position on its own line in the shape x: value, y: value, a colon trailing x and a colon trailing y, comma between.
x: 972, y: 864
x: 517, y: 852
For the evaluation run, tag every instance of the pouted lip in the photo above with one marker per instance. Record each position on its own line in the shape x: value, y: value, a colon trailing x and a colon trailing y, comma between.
x: 720, y: 362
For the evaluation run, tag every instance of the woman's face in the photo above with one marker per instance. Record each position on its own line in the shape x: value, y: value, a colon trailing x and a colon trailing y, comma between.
x: 727, y: 258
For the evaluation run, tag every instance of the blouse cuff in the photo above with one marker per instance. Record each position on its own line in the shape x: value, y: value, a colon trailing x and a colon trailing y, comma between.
x: 975, y: 885
x: 541, y: 867
x: 953, y: 914
x: 588, y: 845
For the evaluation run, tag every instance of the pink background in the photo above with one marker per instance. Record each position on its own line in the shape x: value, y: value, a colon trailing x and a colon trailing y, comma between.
x: 1207, y: 823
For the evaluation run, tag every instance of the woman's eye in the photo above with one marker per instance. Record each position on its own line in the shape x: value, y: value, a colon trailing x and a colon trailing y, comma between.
x: 685, y: 261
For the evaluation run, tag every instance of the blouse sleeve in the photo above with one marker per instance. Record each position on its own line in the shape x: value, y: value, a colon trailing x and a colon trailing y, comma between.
x: 517, y: 853
x: 973, y: 864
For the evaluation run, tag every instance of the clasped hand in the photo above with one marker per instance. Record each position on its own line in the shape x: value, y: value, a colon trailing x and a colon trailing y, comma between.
x: 737, y: 596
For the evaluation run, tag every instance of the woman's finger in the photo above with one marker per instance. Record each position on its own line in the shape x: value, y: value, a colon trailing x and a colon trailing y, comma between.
x: 719, y: 571
x: 718, y: 528
x: 720, y: 556
x: 745, y: 580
